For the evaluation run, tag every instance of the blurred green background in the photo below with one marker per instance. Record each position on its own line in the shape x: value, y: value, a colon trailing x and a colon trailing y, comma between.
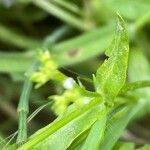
x: 76, y: 33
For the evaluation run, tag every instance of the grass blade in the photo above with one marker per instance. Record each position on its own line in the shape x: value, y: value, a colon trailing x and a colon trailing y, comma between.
x: 61, y: 139
x: 127, y: 146
x: 96, y: 134
x: 134, y: 86
x: 19, y: 62
x: 85, y: 47
x: 61, y: 14
x: 9, y: 36
x: 118, y: 124
x: 68, y: 5
x: 51, y: 128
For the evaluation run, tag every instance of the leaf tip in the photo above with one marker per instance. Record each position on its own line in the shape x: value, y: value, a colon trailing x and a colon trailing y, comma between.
x: 120, y: 22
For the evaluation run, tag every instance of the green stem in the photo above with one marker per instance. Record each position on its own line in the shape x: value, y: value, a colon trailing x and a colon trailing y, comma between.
x: 22, y: 130
x: 134, y: 86
x: 61, y: 14
x: 68, y: 5
x: 23, y: 107
x: 55, y: 36
x: 9, y: 36
x: 86, y: 46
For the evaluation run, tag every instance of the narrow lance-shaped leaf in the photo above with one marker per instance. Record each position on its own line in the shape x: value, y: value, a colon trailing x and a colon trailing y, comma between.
x: 79, y: 141
x: 135, y: 85
x: 111, y: 75
x: 128, y: 146
x: 130, y: 9
x: 45, y: 132
x: 96, y: 134
x: 61, y: 139
x: 118, y: 123
x: 139, y: 70
x: 145, y: 147
x: 68, y: 52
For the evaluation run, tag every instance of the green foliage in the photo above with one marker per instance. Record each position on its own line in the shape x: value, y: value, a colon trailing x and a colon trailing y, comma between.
x: 129, y: 146
x: 117, y: 125
x: 47, y: 71
x: 131, y: 9
x: 111, y: 76
x: 59, y: 123
x: 146, y: 147
x: 89, y: 116
x: 63, y: 137
x: 96, y: 134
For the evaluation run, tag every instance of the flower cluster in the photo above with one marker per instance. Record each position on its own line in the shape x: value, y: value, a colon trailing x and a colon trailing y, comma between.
x: 70, y: 96
x: 47, y: 70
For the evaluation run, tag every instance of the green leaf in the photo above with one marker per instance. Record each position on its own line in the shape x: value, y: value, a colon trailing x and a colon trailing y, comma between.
x: 9, y: 36
x: 139, y: 69
x: 111, y: 75
x: 83, y: 47
x: 68, y: 52
x: 145, y: 147
x: 139, y: 66
x: 19, y: 62
x: 62, y: 138
x: 62, y: 14
x: 123, y: 145
x: 79, y: 141
x: 134, y: 86
x: 131, y: 9
x: 118, y: 123
x: 96, y: 134
x: 52, y: 128
x: 127, y: 146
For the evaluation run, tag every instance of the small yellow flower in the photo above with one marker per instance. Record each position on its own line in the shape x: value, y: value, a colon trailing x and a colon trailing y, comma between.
x: 73, y: 95
x: 46, y: 71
